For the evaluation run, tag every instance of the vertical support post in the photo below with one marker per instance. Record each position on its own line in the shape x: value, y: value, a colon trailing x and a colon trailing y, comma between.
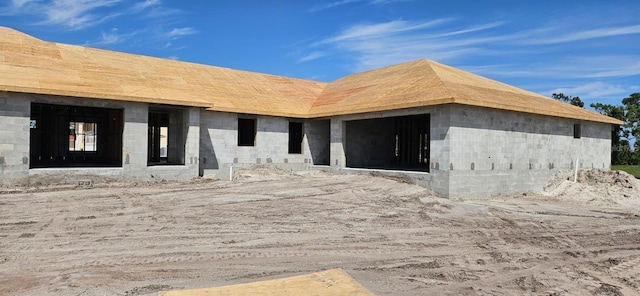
x: 575, y: 172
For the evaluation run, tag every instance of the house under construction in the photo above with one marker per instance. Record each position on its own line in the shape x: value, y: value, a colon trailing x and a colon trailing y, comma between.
x: 72, y: 111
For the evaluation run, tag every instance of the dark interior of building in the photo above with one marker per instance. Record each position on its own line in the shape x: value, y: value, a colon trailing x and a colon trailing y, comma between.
x: 167, y: 136
x: 393, y: 143
x: 74, y: 136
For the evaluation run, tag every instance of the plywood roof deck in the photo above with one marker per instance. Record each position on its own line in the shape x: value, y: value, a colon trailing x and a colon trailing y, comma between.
x: 427, y: 83
x: 324, y: 283
x: 31, y: 65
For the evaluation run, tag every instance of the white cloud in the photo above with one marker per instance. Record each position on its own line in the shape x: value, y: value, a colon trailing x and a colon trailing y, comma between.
x: 363, y: 32
x: 604, y: 66
x: 20, y: 3
x: 158, y: 12
x: 382, y: 44
x: 154, y: 9
x: 345, y: 2
x: 332, y: 4
x: 82, y: 14
x: 312, y: 56
x: 112, y: 37
x: 76, y: 14
x: 554, y: 37
x: 179, y: 32
x: 620, y: 71
x: 596, y: 89
x: 72, y: 14
x: 140, y: 6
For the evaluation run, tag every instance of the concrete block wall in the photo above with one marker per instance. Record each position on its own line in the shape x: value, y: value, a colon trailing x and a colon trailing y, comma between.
x: 495, y: 151
x: 15, y: 112
x: 219, y: 144
x: 338, y: 158
x: 14, y: 138
x: 134, y: 139
x: 186, y: 147
x: 318, y: 136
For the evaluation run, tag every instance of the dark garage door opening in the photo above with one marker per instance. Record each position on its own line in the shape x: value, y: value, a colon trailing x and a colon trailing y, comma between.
x: 392, y: 143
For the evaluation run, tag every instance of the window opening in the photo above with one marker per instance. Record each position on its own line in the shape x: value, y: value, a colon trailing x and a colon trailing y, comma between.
x: 83, y: 136
x: 75, y: 136
x: 577, y: 131
x: 295, y: 137
x: 164, y: 141
x: 246, y: 132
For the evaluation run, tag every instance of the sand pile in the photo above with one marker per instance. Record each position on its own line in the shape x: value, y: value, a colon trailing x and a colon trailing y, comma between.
x: 260, y: 173
x: 598, y: 187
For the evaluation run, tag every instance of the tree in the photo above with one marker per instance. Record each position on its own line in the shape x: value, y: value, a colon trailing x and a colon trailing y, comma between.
x: 620, y: 148
x: 632, y: 115
x: 629, y: 132
x: 576, y: 101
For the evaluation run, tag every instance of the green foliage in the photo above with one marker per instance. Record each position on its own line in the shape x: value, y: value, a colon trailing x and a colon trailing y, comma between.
x: 576, y: 101
x: 621, y: 136
x: 632, y: 115
x: 631, y: 169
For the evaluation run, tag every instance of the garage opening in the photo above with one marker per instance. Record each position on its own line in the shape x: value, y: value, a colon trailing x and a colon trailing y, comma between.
x: 166, y: 138
x: 74, y: 136
x: 393, y: 143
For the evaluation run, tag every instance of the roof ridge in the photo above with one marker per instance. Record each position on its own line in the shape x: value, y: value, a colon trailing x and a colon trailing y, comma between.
x: 451, y: 96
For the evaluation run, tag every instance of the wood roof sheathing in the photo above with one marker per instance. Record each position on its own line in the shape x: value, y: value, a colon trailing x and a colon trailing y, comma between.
x: 30, y: 65
x: 427, y: 83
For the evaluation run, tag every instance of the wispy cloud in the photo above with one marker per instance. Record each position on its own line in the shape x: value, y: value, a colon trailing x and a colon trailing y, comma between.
x: 167, y: 38
x: 345, y: 2
x: 312, y: 56
x: 140, y: 6
x: 151, y: 16
x: 112, y: 37
x: 362, y: 32
x: 381, y: 44
x: 20, y: 3
x: 553, y: 37
x: 72, y: 14
x: 179, y: 32
x: 452, y: 41
x: 596, y: 89
x: 154, y: 9
x: 605, y: 66
x: 332, y: 4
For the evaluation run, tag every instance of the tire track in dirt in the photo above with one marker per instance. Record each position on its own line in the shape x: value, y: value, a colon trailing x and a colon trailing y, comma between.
x: 394, y: 238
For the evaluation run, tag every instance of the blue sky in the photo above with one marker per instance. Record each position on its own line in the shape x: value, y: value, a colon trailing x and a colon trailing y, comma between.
x: 582, y: 48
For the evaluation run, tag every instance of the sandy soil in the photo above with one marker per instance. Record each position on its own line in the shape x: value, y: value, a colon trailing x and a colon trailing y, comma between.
x: 392, y: 237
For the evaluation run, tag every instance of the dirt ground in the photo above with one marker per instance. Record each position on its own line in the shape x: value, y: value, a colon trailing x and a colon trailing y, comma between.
x: 393, y: 238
